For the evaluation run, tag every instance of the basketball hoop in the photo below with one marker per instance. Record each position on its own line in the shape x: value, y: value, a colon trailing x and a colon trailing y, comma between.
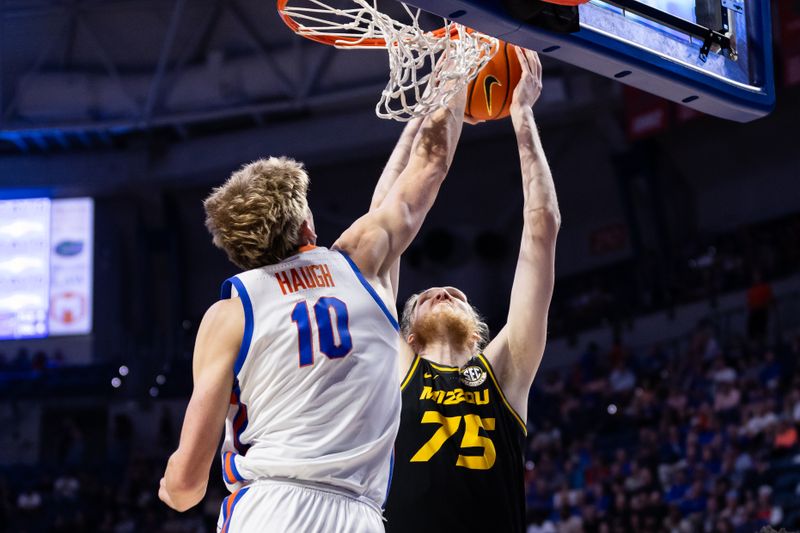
x: 426, y: 68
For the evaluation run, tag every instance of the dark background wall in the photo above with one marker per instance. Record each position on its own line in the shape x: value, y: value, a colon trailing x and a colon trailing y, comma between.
x: 156, y: 266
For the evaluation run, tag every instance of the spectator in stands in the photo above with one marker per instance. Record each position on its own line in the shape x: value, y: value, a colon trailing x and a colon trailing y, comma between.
x: 762, y: 419
x: 771, y: 370
x: 721, y: 372
x: 70, y: 444
x: 695, y: 499
x: 704, y: 343
x: 726, y: 401
x: 66, y: 488
x: 22, y: 362
x: 785, y: 437
x: 621, y: 378
x: 29, y: 504
x: 759, y: 301
x: 57, y: 361
x: 39, y: 361
x: 765, y: 510
x: 794, y: 403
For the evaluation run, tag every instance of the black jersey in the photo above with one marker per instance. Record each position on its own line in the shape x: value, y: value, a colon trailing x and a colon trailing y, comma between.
x: 458, y: 463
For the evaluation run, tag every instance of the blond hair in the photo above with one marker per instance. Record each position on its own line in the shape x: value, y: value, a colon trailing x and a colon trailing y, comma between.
x: 256, y: 215
x: 481, y: 327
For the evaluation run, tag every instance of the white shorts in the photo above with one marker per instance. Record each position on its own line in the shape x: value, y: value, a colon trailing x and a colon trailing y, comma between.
x: 269, y: 506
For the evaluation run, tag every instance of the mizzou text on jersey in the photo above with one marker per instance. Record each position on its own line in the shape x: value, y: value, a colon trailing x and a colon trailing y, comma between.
x: 458, y: 454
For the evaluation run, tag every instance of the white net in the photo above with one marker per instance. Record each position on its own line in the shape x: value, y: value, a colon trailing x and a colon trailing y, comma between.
x: 426, y: 68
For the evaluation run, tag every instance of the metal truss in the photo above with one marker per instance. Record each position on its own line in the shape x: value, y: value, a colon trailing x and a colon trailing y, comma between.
x: 69, y: 79
x: 292, y: 66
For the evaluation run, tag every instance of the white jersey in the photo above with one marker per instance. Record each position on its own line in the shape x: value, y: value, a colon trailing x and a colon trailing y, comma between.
x: 315, y: 395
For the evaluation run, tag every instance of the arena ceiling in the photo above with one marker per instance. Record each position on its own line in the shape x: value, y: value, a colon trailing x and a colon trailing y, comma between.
x: 91, y: 74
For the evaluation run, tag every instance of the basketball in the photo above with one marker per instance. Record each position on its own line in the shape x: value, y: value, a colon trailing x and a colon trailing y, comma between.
x: 489, y: 94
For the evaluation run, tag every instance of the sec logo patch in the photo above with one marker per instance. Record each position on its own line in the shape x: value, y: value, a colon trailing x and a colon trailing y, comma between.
x: 473, y: 376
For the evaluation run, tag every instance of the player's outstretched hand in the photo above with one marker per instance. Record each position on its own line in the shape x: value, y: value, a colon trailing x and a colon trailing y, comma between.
x: 529, y: 87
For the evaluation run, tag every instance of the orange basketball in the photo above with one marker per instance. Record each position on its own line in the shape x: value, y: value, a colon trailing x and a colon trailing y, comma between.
x: 489, y: 94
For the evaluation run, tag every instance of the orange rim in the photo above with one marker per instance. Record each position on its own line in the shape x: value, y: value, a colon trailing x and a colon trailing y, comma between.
x: 376, y: 42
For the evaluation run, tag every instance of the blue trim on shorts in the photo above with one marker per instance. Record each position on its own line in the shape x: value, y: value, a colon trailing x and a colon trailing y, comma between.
x: 226, y: 518
x: 222, y: 458
x: 235, y: 471
x: 371, y: 291
x: 236, y: 474
x: 238, y: 497
x: 249, y: 325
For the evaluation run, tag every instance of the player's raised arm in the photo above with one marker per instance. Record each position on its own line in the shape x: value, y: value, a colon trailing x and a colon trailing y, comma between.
x: 376, y: 240
x: 218, y: 340
x: 396, y: 164
x: 517, y: 351
x: 394, y: 167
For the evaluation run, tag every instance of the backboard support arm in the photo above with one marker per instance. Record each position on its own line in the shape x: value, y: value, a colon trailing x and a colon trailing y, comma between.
x: 713, y: 40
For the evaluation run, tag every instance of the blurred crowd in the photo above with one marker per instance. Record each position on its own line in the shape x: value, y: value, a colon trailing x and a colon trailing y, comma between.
x: 95, y: 498
x: 25, y: 362
x: 698, y: 437
x: 700, y: 269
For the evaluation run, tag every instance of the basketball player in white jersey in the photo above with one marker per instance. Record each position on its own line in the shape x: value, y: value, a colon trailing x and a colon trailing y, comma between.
x: 298, y: 361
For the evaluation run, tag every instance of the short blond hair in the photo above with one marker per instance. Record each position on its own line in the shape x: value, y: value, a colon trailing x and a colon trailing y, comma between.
x: 256, y: 215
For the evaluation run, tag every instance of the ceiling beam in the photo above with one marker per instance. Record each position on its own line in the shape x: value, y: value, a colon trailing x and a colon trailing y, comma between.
x: 72, y: 34
x: 263, y: 47
x: 155, y: 85
x: 204, y: 160
x: 37, y: 65
x: 196, y: 47
x: 108, y: 63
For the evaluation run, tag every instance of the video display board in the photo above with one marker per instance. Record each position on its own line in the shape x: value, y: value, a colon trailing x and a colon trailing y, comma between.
x: 46, y: 267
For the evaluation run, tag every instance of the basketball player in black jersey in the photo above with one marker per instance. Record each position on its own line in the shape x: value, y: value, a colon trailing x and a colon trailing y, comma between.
x: 459, y: 452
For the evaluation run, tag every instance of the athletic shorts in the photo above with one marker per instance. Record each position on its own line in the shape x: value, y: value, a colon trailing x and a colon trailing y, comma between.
x: 269, y: 506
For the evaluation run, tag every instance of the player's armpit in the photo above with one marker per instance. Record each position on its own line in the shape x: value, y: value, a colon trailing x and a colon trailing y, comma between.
x: 218, y: 340
x: 403, y: 209
x: 377, y: 239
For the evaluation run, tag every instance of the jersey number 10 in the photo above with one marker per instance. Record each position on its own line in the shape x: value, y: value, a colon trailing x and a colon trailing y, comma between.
x: 333, y: 343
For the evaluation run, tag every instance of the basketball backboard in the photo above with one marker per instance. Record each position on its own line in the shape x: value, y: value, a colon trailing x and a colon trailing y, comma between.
x: 659, y: 46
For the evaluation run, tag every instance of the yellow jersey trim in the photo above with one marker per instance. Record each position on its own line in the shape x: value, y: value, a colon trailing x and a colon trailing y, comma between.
x: 411, y: 372
x: 442, y: 368
x: 503, y: 396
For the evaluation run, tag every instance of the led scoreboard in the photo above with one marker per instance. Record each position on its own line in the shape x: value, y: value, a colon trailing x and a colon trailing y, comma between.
x: 46, y: 260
